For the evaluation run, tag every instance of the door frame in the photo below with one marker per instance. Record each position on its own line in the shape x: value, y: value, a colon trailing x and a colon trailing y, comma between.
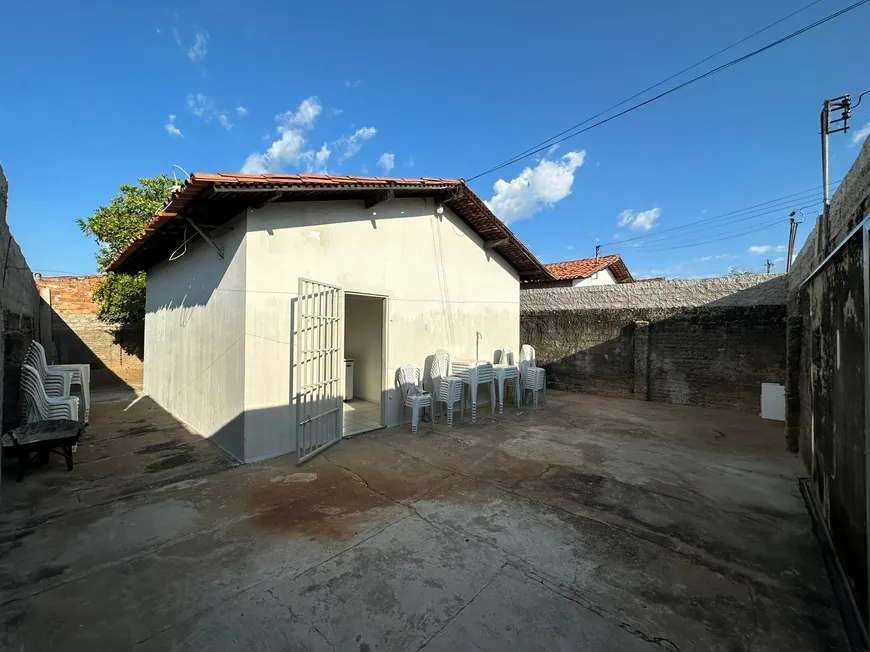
x: 385, y: 325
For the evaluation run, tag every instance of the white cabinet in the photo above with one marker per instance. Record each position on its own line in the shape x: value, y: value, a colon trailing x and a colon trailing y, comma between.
x: 348, y: 380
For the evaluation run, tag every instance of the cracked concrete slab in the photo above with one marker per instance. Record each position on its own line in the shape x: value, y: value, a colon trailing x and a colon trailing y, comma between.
x: 589, y: 524
x: 518, y: 613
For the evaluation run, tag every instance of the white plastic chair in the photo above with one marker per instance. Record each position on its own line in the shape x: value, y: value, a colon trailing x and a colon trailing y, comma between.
x: 475, y: 373
x: 41, y: 407
x: 78, y: 374
x: 505, y: 370
x: 447, y: 389
x: 532, y: 377
x: 56, y: 383
x: 408, y: 380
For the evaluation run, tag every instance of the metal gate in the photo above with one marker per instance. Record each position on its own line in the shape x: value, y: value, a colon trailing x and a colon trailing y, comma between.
x: 319, y: 407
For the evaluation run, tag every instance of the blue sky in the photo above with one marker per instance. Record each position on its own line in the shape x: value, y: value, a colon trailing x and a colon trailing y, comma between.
x: 381, y: 88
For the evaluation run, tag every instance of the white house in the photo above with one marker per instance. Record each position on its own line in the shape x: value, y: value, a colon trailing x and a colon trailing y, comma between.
x: 261, y: 286
x: 603, y: 270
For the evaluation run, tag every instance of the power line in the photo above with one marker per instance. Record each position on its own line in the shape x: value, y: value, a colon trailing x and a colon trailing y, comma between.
x: 555, y: 140
x: 546, y: 143
x: 771, y: 206
x: 763, y: 227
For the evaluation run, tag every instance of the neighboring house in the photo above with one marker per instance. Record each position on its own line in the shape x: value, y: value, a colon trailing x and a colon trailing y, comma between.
x: 236, y: 338
x: 604, y: 270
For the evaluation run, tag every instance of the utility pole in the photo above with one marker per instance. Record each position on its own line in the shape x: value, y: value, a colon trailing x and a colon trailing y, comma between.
x: 769, y: 265
x: 597, y: 252
x: 843, y: 104
x: 792, y: 233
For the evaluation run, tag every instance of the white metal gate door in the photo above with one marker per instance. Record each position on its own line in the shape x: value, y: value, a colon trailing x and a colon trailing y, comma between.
x: 319, y: 408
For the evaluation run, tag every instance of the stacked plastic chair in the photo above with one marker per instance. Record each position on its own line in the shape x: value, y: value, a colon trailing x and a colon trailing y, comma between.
x: 408, y: 381
x: 475, y: 373
x: 447, y: 389
x: 506, y: 370
x: 532, y: 377
x: 58, y: 378
x: 41, y: 406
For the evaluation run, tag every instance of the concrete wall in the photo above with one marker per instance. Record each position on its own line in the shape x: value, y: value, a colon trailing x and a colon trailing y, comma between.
x: 20, y: 302
x: 195, y: 338
x: 113, y: 351
x: 707, y: 342
x: 441, y: 287
x: 363, y: 341
x: 825, y: 380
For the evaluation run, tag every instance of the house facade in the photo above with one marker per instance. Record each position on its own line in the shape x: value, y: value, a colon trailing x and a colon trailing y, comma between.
x: 402, y: 268
x: 601, y: 270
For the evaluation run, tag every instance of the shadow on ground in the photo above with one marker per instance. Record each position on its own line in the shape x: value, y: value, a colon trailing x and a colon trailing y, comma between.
x: 591, y: 524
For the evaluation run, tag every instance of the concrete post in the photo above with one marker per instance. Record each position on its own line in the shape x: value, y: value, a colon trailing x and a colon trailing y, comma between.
x: 641, y: 360
x: 793, y: 344
x: 45, y: 323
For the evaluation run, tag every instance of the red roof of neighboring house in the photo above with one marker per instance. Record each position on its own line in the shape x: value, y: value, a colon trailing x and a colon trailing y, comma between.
x: 586, y: 267
x: 214, y: 199
x: 656, y: 279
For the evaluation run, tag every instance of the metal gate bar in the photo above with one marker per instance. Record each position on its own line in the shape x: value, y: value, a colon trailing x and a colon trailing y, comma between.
x: 319, y: 408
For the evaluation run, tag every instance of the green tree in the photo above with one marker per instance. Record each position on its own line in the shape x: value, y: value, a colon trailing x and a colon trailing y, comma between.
x: 122, y: 296
x: 736, y: 271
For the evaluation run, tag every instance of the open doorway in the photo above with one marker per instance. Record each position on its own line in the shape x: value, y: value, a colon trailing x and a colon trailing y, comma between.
x: 364, y: 363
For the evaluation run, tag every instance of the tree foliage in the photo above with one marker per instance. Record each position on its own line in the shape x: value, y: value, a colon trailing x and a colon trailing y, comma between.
x: 122, y: 296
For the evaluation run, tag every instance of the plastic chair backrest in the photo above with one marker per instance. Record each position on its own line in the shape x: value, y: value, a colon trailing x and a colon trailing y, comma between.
x: 31, y: 383
x: 505, y: 356
x: 527, y: 354
x: 35, y: 357
x: 407, y: 376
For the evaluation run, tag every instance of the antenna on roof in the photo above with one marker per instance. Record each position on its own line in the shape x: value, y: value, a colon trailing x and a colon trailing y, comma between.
x: 178, y: 185
x: 597, y: 252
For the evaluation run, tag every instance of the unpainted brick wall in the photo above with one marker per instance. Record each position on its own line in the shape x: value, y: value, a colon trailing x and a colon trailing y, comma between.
x: 114, y: 352
x: 710, y: 342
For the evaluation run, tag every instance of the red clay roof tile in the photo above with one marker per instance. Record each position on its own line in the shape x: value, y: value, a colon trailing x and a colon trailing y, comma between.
x: 586, y: 267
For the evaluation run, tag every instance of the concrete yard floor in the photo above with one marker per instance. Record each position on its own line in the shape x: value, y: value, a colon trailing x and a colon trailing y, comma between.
x: 589, y: 524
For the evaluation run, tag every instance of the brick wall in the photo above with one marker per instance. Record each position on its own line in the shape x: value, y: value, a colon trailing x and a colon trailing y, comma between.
x: 114, y: 352
x: 708, y: 342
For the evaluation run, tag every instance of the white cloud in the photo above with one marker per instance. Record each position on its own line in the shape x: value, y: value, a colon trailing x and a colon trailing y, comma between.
x: 644, y: 220
x: 302, y: 117
x: 616, y: 236
x: 860, y: 135
x: 387, y: 162
x: 569, y: 247
x: 177, y: 37
x: 171, y: 129
x: 351, y: 145
x: 199, y: 48
x: 535, y: 188
x: 764, y: 249
x: 201, y: 106
x: 364, y: 169
x: 241, y: 111
x: 335, y: 112
x: 315, y: 162
x: 158, y: 31
x: 289, y: 147
x: 255, y: 164
x: 225, y: 122
x: 352, y: 84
